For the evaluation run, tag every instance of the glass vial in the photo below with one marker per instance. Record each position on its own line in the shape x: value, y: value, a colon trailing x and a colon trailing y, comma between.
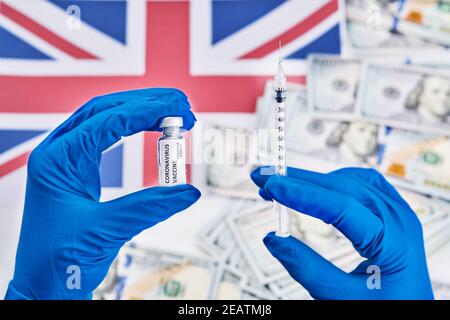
x: 171, y: 152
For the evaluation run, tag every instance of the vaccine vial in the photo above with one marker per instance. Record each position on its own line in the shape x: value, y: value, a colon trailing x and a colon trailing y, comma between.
x: 171, y: 152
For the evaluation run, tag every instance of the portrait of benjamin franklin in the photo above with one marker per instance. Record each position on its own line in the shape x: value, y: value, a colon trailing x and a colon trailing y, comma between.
x: 429, y: 101
x: 230, y: 162
x: 350, y: 142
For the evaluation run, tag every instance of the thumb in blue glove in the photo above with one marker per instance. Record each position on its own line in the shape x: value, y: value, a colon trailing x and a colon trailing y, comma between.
x: 68, y: 238
x: 371, y: 214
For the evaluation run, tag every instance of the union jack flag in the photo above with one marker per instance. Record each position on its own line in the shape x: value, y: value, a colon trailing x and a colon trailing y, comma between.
x: 243, y: 37
x: 56, y: 54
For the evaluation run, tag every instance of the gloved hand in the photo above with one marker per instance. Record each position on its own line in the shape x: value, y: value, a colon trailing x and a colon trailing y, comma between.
x: 66, y: 231
x: 368, y: 211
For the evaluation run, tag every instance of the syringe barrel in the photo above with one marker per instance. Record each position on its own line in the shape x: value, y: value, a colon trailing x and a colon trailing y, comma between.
x: 280, y: 152
x: 280, y: 145
x: 280, y: 161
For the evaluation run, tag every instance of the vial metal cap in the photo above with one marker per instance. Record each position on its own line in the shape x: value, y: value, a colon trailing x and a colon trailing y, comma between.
x: 171, y: 122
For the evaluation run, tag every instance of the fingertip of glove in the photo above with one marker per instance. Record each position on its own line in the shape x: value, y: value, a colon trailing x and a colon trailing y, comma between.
x: 178, y: 92
x: 256, y: 176
x: 197, y: 194
x: 269, y: 238
x: 192, y: 192
x: 183, y: 194
x: 261, y: 174
x: 189, y: 120
x: 188, y: 195
x: 264, y: 195
x: 185, y: 188
x: 280, y: 247
x: 181, y: 98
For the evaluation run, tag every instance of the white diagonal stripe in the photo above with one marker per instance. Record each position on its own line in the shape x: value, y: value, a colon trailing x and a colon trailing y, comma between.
x: 32, y: 39
x: 55, y: 19
x: 266, y: 28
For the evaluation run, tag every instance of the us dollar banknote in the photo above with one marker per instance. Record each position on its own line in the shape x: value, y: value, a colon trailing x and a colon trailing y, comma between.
x: 348, y: 141
x: 370, y: 31
x: 236, y: 260
x: 158, y: 274
x: 339, y: 141
x: 332, y: 84
x: 215, y: 238
x: 419, y: 160
x: 251, y: 225
x: 231, y: 285
x: 429, y: 20
x: 231, y: 154
x: 428, y: 209
x: 434, y: 215
x: 249, y: 228
x: 405, y: 97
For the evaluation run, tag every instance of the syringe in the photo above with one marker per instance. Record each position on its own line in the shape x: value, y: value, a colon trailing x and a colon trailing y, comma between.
x: 280, y: 152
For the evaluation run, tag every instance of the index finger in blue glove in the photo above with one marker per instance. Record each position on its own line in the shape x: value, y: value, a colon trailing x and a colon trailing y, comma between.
x: 138, y: 114
x: 86, y: 111
x: 344, y: 184
x: 335, y: 182
x: 353, y: 219
x: 105, y: 102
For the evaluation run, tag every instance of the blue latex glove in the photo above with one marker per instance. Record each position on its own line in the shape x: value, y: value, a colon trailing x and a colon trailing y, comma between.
x: 65, y: 229
x: 368, y: 211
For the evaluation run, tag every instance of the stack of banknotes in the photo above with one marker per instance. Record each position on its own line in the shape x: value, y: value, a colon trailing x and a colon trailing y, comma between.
x: 236, y: 265
x: 397, y: 26
x: 390, y: 116
x: 365, y: 108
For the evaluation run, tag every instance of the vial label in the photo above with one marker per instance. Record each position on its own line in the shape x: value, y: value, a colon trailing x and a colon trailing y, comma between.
x: 172, y: 162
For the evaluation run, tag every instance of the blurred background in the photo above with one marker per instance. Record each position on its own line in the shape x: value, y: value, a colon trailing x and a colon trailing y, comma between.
x: 368, y: 85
